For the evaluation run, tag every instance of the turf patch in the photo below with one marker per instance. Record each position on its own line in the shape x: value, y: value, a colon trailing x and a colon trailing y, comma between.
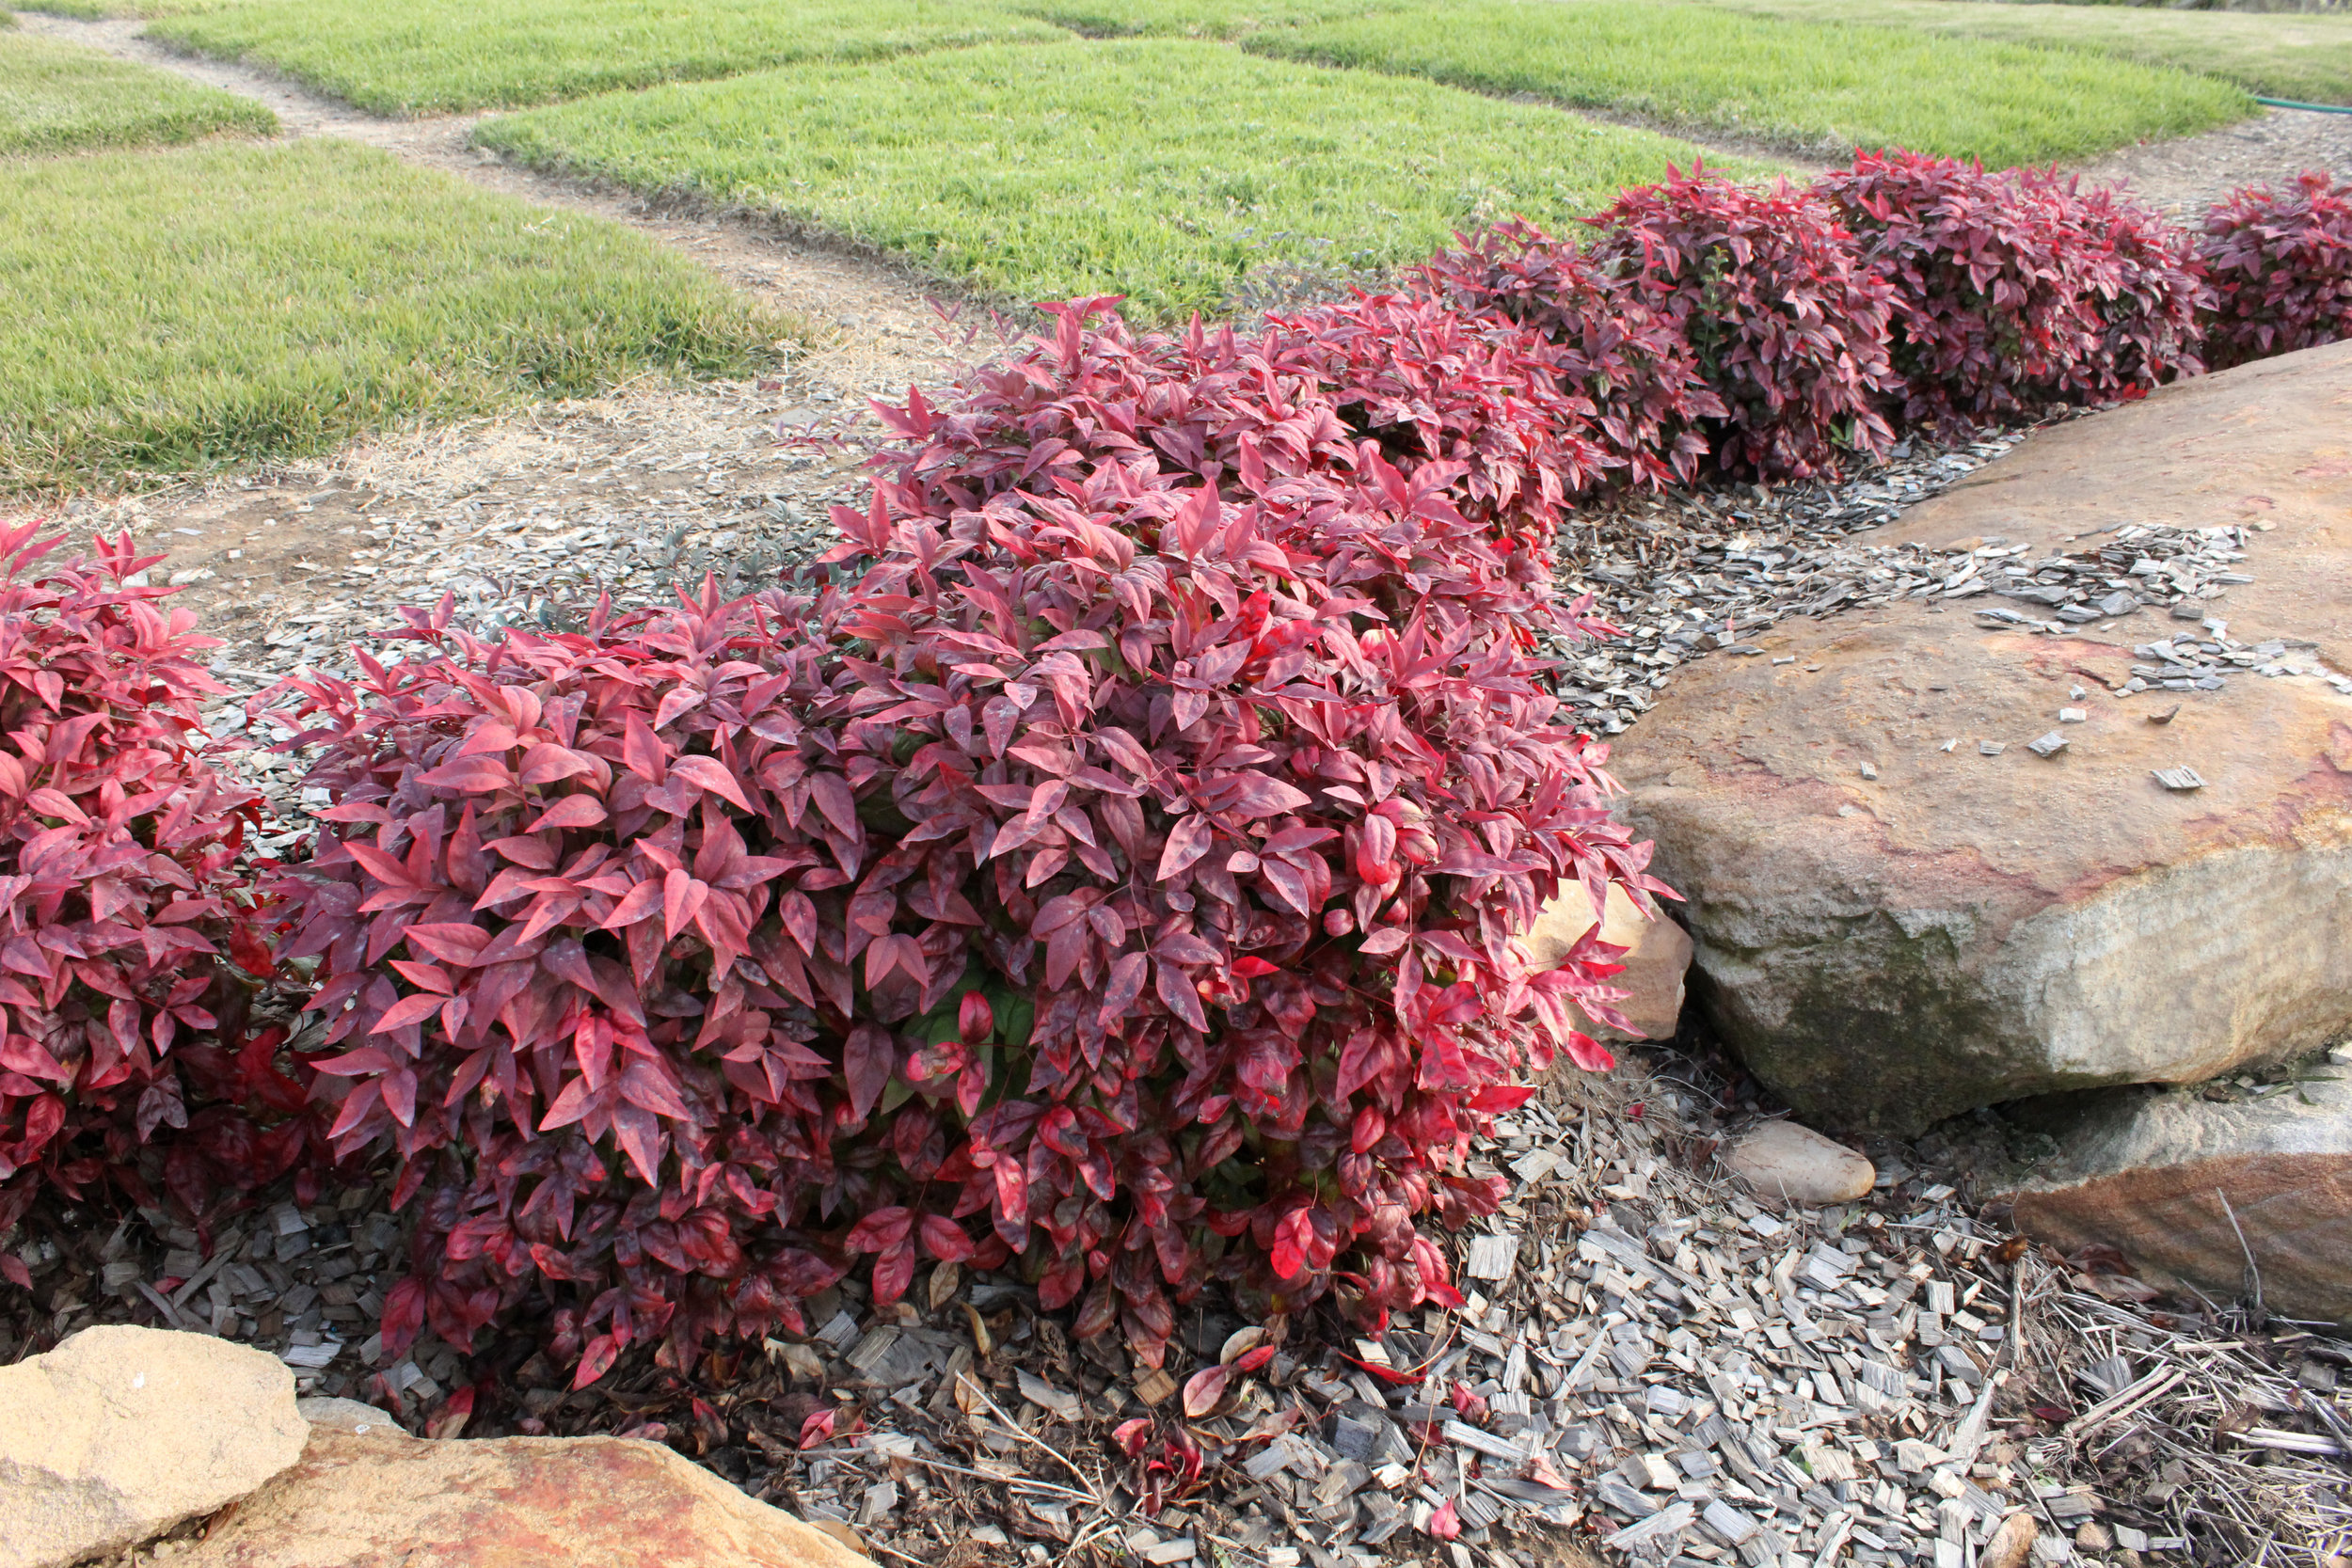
x: 176, y: 310
x: 61, y: 98
x: 435, y: 57
x: 1160, y: 169
x: 2304, y: 57
x: 1813, y: 87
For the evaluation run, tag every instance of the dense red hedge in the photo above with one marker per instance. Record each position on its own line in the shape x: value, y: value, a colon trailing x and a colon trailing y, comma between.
x: 2014, y: 288
x: 1116, y: 872
x: 123, y: 896
x: 1788, y: 321
x: 2281, y: 270
x: 1640, y: 389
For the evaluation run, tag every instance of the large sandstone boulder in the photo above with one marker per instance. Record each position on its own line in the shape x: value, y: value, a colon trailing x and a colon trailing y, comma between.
x: 2162, y: 1175
x: 120, y: 1433
x: 1964, y: 929
x: 1658, y: 955
x: 366, y: 1495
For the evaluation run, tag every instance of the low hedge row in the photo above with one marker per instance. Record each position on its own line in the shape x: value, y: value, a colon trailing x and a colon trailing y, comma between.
x: 1116, y: 871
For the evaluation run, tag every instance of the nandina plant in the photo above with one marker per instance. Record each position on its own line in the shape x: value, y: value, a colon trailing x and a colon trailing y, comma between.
x: 1642, y: 393
x: 585, y: 910
x: 1787, y: 323
x: 2280, y: 266
x: 2015, y: 289
x: 1421, y: 381
x: 1431, y: 382
x: 2150, y: 294
x: 1107, y: 872
x: 128, y: 917
x: 1254, y: 790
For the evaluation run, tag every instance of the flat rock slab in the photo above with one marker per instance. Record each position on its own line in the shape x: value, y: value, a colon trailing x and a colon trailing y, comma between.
x: 2172, y: 1180
x: 120, y: 1433
x: 1966, y: 927
x: 380, y: 1498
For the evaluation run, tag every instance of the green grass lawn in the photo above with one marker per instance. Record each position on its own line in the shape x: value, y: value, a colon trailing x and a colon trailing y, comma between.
x: 178, y: 310
x: 1821, y: 89
x: 1161, y: 170
x: 2304, y: 57
x: 62, y: 98
x: 426, y: 56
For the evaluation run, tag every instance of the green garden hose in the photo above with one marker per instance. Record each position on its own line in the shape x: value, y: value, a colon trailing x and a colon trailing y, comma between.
x: 2316, y: 109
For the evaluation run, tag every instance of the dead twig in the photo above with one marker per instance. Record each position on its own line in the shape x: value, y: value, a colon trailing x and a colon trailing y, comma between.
x: 2254, y: 1270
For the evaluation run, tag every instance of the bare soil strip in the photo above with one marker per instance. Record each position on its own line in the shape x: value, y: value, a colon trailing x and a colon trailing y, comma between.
x: 2185, y: 177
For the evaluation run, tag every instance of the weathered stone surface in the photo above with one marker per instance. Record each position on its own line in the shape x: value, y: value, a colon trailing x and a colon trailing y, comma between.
x: 347, y: 1415
x: 2145, y: 1171
x: 1658, y: 954
x: 121, y: 1433
x: 1783, y: 1161
x: 1964, y: 929
x: 384, y: 1499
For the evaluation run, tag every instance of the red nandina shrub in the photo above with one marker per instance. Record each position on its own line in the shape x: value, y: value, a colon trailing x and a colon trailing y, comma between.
x: 1426, y: 383
x: 2151, y: 313
x: 2015, y: 288
x: 1431, y: 382
x: 1644, y: 392
x: 118, y: 851
x: 586, y: 907
x: 1789, y: 324
x: 2281, y: 268
x: 1268, y: 789
x: 1115, y: 874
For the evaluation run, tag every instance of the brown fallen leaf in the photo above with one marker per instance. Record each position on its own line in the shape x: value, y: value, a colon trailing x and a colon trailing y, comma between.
x: 981, y: 1343
x: 2010, y: 1543
x: 947, y: 1280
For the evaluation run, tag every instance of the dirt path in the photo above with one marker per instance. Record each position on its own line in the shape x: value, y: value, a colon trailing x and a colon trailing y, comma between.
x: 2184, y: 177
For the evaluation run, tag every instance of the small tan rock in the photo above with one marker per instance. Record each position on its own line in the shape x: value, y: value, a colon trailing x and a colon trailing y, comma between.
x: 1785, y: 1163
x: 120, y: 1433
x: 1658, y: 953
x: 383, y: 1499
x: 842, y: 1532
x: 351, y: 1416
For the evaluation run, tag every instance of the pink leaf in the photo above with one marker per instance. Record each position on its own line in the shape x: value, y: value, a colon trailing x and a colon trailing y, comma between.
x: 1204, y: 1389
x: 867, y: 1058
x: 708, y: 773
x: 883, y: 1227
